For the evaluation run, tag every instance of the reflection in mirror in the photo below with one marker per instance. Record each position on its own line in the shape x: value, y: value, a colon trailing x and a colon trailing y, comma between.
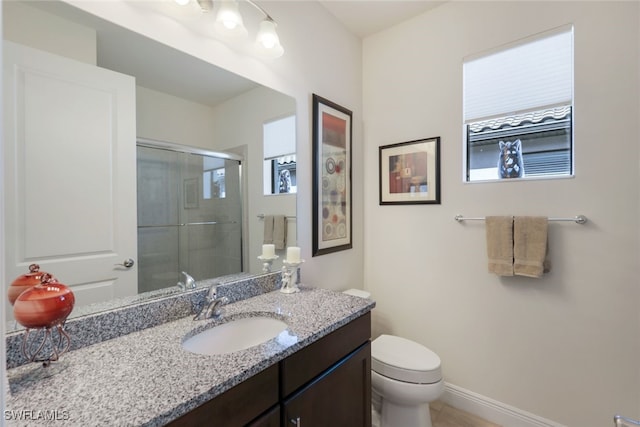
x: 279, y: 140
x: 86, y: 67
x: 189, y: 215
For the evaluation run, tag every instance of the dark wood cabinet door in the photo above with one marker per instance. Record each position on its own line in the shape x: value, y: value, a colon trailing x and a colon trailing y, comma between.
x: 237, y: 406
x: 339, y: 397
x: 311, y: 361
x: 269, y: 419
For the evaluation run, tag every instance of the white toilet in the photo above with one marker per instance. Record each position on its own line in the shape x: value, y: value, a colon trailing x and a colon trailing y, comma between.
x: 405, y: 377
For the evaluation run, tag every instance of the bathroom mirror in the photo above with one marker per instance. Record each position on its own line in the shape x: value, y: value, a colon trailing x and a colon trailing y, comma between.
x: 183, y: 101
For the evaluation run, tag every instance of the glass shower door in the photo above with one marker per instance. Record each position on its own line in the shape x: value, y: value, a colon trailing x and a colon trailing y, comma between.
x: 189, y: 217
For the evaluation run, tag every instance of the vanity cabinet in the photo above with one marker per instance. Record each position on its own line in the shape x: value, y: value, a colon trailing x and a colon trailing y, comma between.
x: 269, y: 419
x: 326, y: 383
x: 339, y: 397
x: 239, y: 405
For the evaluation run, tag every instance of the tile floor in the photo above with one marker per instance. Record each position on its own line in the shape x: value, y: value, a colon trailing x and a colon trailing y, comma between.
x: 443, y: 415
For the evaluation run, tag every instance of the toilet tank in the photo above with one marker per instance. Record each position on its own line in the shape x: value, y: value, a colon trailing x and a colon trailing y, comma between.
x: 358, y: 293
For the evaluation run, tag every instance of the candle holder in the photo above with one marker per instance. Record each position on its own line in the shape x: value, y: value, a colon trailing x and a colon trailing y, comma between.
x: 266, y: 262
x: 290, y: 276
x: 45, y: 344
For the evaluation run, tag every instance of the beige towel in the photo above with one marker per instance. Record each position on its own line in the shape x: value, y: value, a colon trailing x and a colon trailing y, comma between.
x: 529, y: 245
x: 268, y: 229
x: 280, y: 231
x: 500, y: 244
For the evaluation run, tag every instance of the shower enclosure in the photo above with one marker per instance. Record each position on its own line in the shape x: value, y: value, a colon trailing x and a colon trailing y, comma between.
x: 189, y: 214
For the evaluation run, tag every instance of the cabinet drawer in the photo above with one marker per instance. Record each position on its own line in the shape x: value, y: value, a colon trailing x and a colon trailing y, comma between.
x: 306, y: 364
x: 238, y: 405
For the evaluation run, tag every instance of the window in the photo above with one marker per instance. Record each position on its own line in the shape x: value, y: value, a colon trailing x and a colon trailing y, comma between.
x: 518, y: 109
x: 280, y: 156
x: 283, y: 175
x: 213, y: 178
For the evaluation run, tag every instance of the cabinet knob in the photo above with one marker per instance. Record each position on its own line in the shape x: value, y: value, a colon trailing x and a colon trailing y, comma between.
x: 295, y: 421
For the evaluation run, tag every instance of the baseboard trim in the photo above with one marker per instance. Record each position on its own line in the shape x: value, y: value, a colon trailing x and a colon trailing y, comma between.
x: 492, y: 410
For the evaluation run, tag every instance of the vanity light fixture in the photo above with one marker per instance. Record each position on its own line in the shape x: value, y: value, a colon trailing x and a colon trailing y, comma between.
x: 229, y: 24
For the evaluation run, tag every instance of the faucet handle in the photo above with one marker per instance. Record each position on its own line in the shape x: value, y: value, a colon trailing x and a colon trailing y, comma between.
x: 189, y: 282
x: 212, y: 293
x: 217, y: 307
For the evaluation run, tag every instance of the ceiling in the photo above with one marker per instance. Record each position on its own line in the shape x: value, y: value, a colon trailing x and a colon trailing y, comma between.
x: 366, y: 17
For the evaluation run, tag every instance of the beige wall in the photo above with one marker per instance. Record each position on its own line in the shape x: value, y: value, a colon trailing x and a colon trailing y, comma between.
x: 168, y: 118
x: 565, y: 347
x: 32, y: 27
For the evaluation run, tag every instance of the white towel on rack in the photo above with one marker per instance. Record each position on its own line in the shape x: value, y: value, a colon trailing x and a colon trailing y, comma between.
x: 268, y: 229
x: 280, y: 231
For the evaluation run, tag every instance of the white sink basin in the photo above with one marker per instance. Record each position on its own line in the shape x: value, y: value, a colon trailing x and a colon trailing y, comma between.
x: 235, y: 335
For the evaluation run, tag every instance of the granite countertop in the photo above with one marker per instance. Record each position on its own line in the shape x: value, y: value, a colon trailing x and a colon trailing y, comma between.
x: 146, y: 378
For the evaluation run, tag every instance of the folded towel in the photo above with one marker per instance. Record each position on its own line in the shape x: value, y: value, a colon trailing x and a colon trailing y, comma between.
x: 500, y: 244
x: 268, y: 229
x: 280, y: 231
x: 529, y: 245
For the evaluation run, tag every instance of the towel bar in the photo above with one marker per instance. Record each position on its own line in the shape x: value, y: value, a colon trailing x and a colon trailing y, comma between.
x: 188, y: 224
x: 621, y: 421
x: 578, y: 219
x: 261, y: 216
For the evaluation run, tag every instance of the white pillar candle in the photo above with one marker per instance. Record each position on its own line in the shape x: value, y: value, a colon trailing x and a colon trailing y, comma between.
x: 268, y: 251
x: 293, y: 254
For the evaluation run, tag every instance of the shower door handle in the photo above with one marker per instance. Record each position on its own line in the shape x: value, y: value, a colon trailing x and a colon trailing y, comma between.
x: 128, y: 263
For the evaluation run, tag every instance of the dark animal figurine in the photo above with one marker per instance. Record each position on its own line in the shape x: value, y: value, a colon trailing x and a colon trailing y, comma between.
x: 510, y: 164
x: 284, y: 185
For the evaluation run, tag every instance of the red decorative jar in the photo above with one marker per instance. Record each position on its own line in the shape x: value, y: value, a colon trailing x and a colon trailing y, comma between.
x: 24, y: 282
x: 45, y: 305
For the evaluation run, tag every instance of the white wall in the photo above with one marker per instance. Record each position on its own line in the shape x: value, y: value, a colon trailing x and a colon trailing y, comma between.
x: 3, y: 360
x: 565, y: 347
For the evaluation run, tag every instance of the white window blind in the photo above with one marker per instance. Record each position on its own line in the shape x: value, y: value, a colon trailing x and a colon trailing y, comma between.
x: 533, y: 74
x: 280, y: 137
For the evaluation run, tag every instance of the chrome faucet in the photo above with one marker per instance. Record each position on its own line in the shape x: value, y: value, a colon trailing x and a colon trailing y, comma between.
x: 213, y: 304
x: 188, y: 283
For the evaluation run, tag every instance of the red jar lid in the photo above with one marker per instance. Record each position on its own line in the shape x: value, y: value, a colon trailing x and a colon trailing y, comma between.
x: 45, y: 305
x: 24, y: 282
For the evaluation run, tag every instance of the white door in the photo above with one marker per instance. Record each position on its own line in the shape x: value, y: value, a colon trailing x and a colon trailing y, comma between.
x: 70, y: 173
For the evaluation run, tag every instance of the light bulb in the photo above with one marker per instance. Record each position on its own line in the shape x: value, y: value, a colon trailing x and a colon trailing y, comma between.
x: 267, y: 40
x: 229, y: 20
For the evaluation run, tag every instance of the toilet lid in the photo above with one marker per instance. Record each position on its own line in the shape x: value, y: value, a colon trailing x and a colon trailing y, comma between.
x: 404, y: 360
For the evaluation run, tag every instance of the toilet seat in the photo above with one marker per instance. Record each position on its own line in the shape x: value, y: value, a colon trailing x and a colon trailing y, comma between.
x: 404, y: 360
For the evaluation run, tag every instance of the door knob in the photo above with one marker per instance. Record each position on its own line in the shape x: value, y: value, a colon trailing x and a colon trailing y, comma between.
x: 295, y: 421
x: 128, y: 263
